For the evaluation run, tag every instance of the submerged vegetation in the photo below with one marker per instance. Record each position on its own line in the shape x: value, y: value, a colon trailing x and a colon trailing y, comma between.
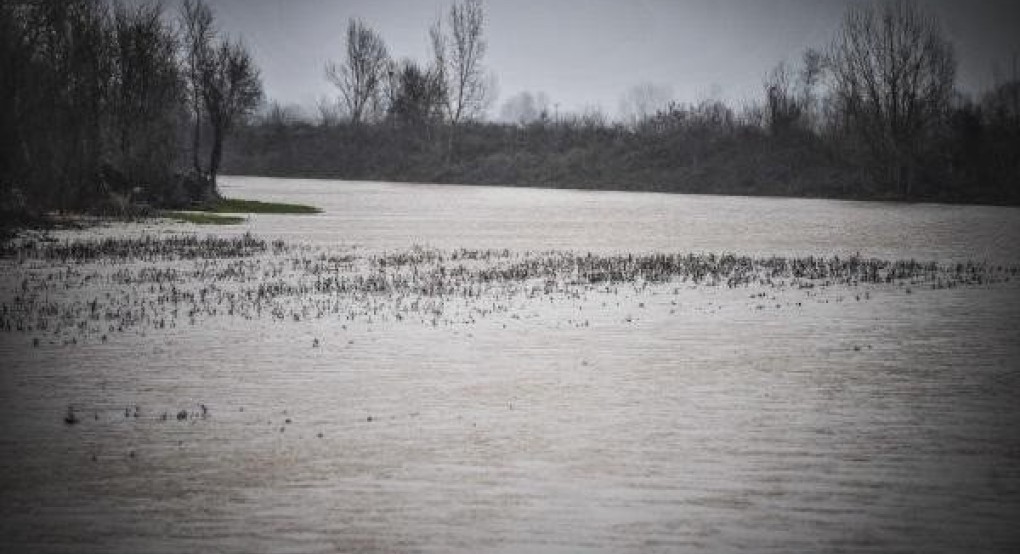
x: 91, y: 289
x: 147, y: 248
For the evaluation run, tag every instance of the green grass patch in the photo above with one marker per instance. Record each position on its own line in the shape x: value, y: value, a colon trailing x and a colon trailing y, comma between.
x: 238, y: 206
x: 201, y: 218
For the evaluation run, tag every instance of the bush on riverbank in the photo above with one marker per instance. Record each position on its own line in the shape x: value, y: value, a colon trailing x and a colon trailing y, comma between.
x: 685, y: 149
x: 853, y: 121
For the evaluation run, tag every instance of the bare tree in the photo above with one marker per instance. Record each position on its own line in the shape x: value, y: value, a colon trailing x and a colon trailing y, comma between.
x: 97, y: 96
x: 790, y: 101
x: 784, y: 107
x: 439, y: 52
x: 360, y: 77
x: 417, y: 95
x: 1003, y: 101
x: 146, y: 95
x: 231, y: 89
x: 460, y: 54
x: 893, y: 74
x: 72, y: 65
x: 811, y: 73
x: 278, y: 115
x: 223, y: 83
x: 524, y: 108
x: 198, y: 33
x: 644, y: 100
x: 329, y: 111
x: 14, y: 64
x: 458, y: 59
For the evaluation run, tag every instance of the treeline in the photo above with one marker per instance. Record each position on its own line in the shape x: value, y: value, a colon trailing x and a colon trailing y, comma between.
x: 103, y: 107
x: 876, y: 115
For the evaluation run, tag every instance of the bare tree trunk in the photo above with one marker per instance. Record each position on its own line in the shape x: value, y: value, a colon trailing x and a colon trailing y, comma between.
x: 359, y: 78
x: 196, y: 139
x: 463, y: 65
x: 450, y: 141
x: 215, y: 156
x: 198, y: 20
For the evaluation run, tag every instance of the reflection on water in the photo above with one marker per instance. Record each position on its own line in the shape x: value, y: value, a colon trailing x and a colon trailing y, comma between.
x: 375, y: 396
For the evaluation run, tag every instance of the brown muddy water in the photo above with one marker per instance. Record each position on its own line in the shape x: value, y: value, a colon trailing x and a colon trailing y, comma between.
x: 468, y: 369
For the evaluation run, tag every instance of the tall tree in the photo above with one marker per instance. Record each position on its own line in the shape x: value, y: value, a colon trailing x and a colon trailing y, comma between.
x: 359, y: 78
x: 417, y: 95
x: 467, y: 48
x: 92, y: 97
x: 458, y: 57
x: 811, y: 72
x: 231, y: 89
x: 893, y: 74
x: 147, y: 91
x: 15, y: 64
x: 524, y: 108
x: 644, y: 100
x: 784, y: 107
x: 198, y: 31
x: 66, y: 99
x: 224, y: 85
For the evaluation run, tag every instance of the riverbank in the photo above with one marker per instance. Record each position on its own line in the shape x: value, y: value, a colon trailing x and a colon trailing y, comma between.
x: 696, y: 157
x: 218, y: 212
x: 214, y: 212
x: 241, y: 206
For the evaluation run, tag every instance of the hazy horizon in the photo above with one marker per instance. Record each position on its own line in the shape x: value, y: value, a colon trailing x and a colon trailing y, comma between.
x: 590, y: 57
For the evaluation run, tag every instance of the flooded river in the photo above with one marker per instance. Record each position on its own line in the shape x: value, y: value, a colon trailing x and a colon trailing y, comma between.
x: 471, y: 369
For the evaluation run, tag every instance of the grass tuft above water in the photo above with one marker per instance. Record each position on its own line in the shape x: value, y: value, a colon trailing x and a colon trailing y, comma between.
x: 239, y: 206
x: 210, y: 213
x: 201, y: 218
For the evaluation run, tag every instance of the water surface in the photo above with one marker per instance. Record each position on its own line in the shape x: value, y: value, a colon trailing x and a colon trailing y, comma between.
x: 637, y: 417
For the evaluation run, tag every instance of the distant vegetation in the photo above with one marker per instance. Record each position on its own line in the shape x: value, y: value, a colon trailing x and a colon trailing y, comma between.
x: 107, y: 108
x: 876, y: 115
x: 113, y: 109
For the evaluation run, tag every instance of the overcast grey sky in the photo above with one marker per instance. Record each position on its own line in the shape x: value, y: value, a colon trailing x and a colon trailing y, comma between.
x: 589, y: 52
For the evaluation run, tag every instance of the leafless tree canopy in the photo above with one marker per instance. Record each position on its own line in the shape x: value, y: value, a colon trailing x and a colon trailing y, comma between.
x: 893, y: 74
x: 97, y: 97
x: 460, y: 54
x: 147, y: 90
x: 416, y: 94
x: 198, y: 31
x: 644, y: 100
x: 231, y: 89
x: 103, y: 105
x: 784, y: 106
x: 524, y: 108
x: 359, y: 78
x: 329, y: 111
x: 223, y: 82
